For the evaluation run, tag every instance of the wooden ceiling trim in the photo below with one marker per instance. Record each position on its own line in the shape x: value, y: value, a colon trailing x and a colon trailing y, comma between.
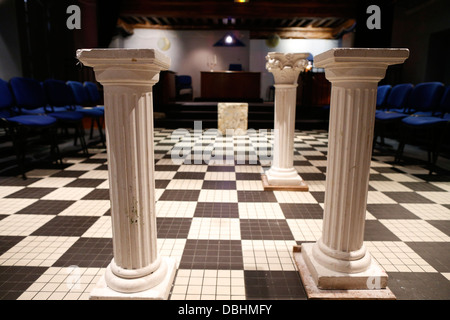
x: 253, y: 9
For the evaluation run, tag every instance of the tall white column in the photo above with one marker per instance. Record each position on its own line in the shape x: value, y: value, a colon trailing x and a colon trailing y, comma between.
x: 339, y: 259
x: 127, y: 76
x: 285, y: 69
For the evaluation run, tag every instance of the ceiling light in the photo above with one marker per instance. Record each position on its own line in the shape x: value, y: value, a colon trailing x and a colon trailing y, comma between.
x: 229, y: 40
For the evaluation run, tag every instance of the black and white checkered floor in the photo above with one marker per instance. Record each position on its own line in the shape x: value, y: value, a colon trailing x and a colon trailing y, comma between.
x: 231, y: 239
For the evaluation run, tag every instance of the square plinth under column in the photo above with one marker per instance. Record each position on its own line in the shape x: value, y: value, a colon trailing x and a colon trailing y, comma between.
x: 309, y: 280
x: 159, y: 292
x: 301, y: 187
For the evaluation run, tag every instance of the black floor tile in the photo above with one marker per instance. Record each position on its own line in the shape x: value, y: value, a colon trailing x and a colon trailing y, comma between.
x: 97, y: 194
x: 302, y: 210
x: 190, y: 175
x: 87, y: 253
x: 31, y: 193
x: 7, y: 242
x: 248, y: 176
x: 173, y: 228
x: 52, y: 207
x: 268, y: 229
x: 256, y: 196
x: 390, y: 211
x: 85, y: 183
x: 212, y: 254
x: 216, y: 210
x: 376, y: 231
x: 14, y: 182
x: 219, y: 185
x: 407, y: 197
x: 220, y: 168
x: 435, y: 254
x: 69, y: 174
x: 442, y: 225
x: 318, y: 195
x: 14, y: 280
x: 65, y: 226
x: 180, y: 195
x: 421, y: 186
x: 273, y: 285
x: 419, y: 286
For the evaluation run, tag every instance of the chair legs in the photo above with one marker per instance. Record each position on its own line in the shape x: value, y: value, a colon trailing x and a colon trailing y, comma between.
x: 19, y: 138
x: 100, y: 130
x: 434, y: 137
x: 79, y: 135
x: 79, y: 132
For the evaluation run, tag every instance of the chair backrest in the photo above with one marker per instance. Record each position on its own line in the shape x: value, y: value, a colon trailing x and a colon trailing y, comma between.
x: 28, y: 93
x: 92, y: 90
x: 80, y: 93
x: 235, y: 67
x: 398, y: 97
x: 6, y: 97
x: 382, y: 94
x: 183, y: 81
x: 58, y: 93
x: 426, y: 96
x: 444, y: 105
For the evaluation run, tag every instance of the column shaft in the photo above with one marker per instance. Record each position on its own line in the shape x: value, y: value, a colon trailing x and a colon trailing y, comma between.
x: 283, y: 147
x: 127, y: 76
x: 285, y: 69
x: 131, y: 169
x: 351, y: 127
x: 339, y: 259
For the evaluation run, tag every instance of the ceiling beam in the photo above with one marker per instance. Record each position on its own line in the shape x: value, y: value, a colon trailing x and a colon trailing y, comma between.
x: 302, y: 33
x: 254, y: 9
x: 294, y: 33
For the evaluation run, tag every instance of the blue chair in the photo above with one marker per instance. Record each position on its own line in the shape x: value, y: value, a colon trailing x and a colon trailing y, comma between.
x: 94, y: 94
x: 235, y: 67
x: 382, y: 94
x: 183, y: 87
x: 428, y: 123
x: 21, y: 126
x: 62, y: 105
x: 394, y: 110
x: 425, y: 98
x: 86, y: 107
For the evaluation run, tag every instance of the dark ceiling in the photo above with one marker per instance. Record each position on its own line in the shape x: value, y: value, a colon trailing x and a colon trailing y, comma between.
x: 287, y: 18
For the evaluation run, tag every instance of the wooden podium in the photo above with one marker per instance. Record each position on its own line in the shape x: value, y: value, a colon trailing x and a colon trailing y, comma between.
x: 230, y: 85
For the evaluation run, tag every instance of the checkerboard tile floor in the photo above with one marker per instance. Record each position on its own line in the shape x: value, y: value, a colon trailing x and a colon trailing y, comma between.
x: 231, y: 239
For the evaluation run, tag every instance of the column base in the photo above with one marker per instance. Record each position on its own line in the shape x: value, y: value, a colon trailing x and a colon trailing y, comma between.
x: 159, y: 292
x: 315, y: 293
x: 322, y: 283
x: 280, y: 184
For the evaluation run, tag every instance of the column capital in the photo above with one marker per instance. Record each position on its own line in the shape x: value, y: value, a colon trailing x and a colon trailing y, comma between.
x: 358, y: 64
x: 133, y: 66
x: 286, y: 66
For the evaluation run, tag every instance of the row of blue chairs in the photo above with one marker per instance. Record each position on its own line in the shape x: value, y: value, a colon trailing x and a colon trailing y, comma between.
x: 29, y: 107
x: 414, y: 113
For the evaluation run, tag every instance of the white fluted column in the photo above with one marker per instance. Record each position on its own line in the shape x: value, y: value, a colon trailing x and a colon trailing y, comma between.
x: 285, y: 69
x: 127, y: 76
x: 339, y: 259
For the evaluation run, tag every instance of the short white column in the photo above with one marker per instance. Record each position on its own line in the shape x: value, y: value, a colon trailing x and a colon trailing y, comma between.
x: 137, y: 270
x: 339, y: 259
x: 285, y: 69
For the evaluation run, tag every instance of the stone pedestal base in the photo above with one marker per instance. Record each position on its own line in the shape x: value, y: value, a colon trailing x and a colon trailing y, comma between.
x: 359, y: 286
x: 158, y: 292
x: 299, y: 185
